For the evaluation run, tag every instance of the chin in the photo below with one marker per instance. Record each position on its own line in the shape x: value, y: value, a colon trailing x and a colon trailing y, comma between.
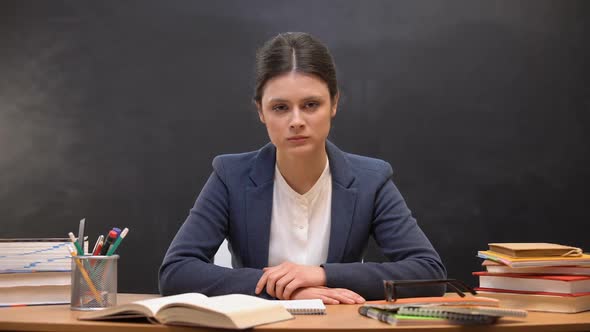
x: 302, y: 149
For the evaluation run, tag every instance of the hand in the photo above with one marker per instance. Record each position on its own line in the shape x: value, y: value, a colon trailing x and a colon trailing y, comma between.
x: 282, y: 280
x: 328, y: 295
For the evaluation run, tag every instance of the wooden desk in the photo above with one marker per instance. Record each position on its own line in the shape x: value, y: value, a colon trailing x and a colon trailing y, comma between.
x: 339, y: 318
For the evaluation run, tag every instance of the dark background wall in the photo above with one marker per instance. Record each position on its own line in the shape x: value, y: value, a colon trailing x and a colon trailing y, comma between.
x: 113, y: 110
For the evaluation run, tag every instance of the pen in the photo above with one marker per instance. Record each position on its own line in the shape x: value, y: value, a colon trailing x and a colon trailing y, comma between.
x: 381, y: 315
x: 86, y: 277
x: 98, y: 241
x: 117, y: 230
x: 98, y: 246
x: 108, y: 242
x: 118, y: 242
x: 76, y: 244
x: 81, y: 234
x: 97, y: 249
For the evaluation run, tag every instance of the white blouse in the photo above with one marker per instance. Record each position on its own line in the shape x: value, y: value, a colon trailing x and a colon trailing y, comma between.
x: 300, y: 224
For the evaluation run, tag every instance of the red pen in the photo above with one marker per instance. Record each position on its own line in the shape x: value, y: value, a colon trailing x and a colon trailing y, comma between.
x: 98, y: 246
x: 97, y: 249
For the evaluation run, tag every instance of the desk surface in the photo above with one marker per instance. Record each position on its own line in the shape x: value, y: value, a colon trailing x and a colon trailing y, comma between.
x: 338, y: 318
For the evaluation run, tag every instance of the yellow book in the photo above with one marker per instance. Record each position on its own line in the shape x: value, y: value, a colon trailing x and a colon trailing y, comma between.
x: 528, y: 249
x: 583, y: 259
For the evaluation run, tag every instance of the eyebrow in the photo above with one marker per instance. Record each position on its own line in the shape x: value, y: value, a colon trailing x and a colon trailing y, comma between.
x: 281, y: 100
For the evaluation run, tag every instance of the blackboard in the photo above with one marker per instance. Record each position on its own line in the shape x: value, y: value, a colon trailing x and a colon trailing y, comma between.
x: 113, y: 111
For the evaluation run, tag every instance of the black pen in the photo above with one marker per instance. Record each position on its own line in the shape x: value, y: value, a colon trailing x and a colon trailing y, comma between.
x: 107, y: 243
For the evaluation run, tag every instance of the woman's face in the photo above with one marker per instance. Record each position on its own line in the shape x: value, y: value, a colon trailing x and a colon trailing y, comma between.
x: 296, y: 109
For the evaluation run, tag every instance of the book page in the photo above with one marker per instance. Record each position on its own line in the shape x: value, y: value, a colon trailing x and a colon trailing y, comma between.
x: 235, y: 311
x: 147, y: 308
x: 233, y: 303
x: 158, y: 303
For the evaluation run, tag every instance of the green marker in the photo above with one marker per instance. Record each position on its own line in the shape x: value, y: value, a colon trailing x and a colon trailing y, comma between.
x: 118, y: 242
x: 76, y: 244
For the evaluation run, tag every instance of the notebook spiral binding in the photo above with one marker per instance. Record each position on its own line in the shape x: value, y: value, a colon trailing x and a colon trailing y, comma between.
x: 306, y: 311
x: 452, y: 316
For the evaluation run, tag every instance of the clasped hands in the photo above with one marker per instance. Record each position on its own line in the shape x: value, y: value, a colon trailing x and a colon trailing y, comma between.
x: 290, y: 281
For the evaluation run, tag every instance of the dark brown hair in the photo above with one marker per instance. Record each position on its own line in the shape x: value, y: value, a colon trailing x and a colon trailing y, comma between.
x: 294, y: 51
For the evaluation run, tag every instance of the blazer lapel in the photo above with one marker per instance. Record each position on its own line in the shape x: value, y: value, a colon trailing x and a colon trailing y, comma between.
x: 259, y: 206
x: 343, y: 203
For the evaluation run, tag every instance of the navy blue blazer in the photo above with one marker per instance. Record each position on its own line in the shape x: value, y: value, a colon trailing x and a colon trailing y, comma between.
x: 236, y: 203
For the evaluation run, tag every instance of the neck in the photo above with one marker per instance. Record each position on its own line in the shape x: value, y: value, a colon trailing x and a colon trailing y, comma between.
x: 302, y: 172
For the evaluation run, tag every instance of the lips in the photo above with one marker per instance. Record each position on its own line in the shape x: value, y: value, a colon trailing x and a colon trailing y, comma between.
x: 297, y: 138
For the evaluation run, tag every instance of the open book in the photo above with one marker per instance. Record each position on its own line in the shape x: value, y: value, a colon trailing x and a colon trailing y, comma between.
x: 235, y: 311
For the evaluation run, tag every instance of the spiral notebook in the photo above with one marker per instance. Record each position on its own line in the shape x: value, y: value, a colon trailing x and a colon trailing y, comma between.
x: 473, y: 315
x: 304, y: 307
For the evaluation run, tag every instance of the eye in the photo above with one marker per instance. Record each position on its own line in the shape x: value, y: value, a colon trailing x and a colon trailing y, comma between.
x: 280, y: 108
x: 311, y: 105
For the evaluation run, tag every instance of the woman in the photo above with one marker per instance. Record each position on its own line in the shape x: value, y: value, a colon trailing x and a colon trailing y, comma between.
x: 298, y: 213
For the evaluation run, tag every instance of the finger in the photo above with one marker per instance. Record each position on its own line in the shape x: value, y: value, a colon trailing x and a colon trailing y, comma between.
x: 328, y: 300
x: 341, y: 296
x: 290, y: 288
x: 284, y: 281
x: 351, y: 295
x: 332, y: 294
x: 273, y: 277
x: 261, y: 282
x: 264, y: 279
x: 270, y: 287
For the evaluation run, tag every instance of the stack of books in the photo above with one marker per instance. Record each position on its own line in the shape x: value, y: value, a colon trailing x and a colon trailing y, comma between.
x: 34, y: 271
x: 536, y: 276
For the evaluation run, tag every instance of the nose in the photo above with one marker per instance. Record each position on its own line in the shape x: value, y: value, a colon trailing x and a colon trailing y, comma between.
x: 296, y: 119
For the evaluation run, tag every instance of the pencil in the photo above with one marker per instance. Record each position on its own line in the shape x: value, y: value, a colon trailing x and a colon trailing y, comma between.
x: 86, y: 277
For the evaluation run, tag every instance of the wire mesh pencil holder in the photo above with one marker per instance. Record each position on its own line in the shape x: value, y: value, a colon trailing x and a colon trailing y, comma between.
x: 94, y: 282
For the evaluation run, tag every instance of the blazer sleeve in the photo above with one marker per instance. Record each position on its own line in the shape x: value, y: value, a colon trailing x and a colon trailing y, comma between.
x: 410, y: 253
x: 188, y: 264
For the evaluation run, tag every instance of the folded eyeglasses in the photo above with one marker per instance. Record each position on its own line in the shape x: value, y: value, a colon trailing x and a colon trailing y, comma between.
x: 458, y: 286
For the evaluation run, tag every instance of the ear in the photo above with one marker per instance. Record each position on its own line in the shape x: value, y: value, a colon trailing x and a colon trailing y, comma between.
x: 260, y: 114
x: 335, y: 104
